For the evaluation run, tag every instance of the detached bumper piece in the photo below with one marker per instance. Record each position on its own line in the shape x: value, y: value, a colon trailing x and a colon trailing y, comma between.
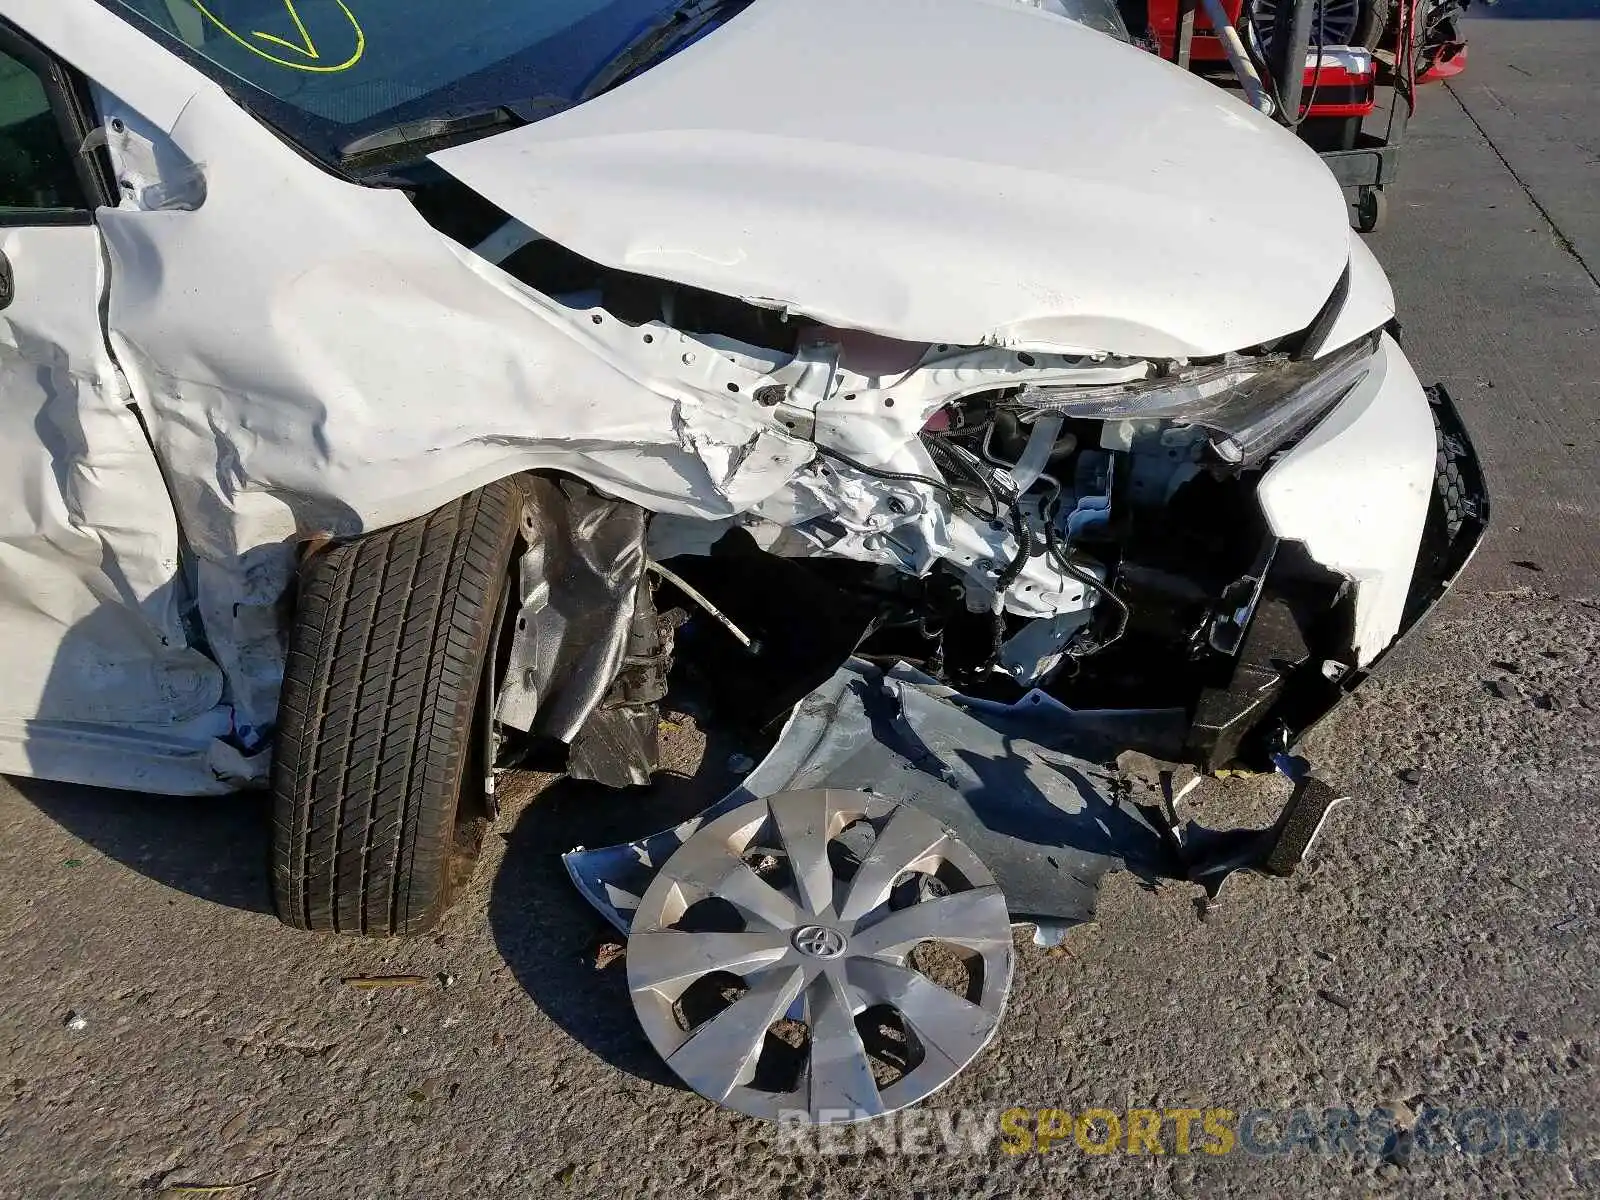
x: 1033, y: 788
x: 1023, y: 786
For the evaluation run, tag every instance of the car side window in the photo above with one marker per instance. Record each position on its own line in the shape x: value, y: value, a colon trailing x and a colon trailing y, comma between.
x: 38, y: 176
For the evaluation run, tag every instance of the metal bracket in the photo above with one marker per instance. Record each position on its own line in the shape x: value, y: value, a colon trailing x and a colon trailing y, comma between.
x: 1183, y: 44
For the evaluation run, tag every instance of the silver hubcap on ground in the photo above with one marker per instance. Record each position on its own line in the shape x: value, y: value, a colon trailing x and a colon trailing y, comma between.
x: 830, y: 953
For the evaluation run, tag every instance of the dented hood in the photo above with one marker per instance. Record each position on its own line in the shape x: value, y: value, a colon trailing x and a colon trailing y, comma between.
x: 966, y: 171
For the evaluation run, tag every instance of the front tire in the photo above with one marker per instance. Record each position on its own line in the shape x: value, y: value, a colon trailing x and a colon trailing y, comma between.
x: 378, y: 803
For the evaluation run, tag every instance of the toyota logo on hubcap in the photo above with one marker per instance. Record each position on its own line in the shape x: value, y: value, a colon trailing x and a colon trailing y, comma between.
x: 819, y: 941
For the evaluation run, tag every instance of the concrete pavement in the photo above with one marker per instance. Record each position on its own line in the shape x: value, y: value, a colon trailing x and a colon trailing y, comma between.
x: 1493, y: 245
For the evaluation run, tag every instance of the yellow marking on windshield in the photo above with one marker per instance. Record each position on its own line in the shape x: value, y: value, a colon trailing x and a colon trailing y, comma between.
x: 307, y: 47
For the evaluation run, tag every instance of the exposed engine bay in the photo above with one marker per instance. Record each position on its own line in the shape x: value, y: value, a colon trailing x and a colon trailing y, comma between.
x: 1001, y: 519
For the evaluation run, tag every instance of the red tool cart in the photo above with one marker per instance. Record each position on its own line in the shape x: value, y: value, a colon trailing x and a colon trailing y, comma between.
x: 1321, y: 67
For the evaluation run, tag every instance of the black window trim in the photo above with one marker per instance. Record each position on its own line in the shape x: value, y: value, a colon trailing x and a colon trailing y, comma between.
x: 73, y: 105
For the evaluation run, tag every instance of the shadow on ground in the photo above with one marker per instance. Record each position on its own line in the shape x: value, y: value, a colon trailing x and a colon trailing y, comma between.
x: 558, y: 947
x: 212, y: 847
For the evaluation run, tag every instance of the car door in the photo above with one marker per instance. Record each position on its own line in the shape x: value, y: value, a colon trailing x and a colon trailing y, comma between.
x: 92, y: 635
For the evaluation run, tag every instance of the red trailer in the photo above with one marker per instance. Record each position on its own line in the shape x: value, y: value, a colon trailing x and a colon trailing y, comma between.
x: 1321, y: 67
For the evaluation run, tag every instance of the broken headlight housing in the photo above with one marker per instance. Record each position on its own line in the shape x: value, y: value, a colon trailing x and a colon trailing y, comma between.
x: 1250, y: 407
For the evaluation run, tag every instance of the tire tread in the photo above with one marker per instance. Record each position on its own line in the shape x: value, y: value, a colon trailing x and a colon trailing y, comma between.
x: 377, y: 717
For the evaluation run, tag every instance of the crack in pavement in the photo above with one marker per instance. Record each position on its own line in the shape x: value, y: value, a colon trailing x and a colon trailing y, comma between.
x: 1562, y: 239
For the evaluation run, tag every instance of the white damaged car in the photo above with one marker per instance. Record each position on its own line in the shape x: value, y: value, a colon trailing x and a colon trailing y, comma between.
x: 373, y: 369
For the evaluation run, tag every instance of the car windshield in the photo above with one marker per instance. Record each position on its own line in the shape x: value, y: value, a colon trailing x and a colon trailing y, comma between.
x: 328, y: 72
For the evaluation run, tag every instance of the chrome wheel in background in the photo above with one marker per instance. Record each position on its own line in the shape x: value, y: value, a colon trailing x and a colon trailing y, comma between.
x: 1335, y: 23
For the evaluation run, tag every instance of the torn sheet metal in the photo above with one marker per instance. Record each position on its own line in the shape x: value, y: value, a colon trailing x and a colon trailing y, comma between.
x: 1021, y: 785
x: 1068, y: 194
x: 96, y: 656
x: 390, y: 370
x: 386, y: 370
x: 620, y: 744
